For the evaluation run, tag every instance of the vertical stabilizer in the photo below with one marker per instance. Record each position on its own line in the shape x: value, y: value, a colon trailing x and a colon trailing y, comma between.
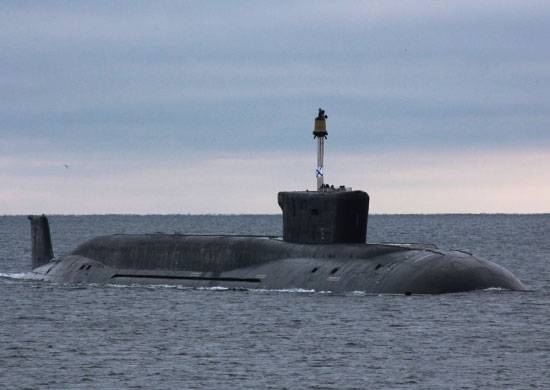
x: 42, y: 251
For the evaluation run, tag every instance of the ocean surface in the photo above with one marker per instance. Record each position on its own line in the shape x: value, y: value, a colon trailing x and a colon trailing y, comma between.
x: 91, y: 336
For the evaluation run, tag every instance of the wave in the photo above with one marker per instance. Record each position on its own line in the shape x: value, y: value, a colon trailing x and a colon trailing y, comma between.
x: 217, y: 288
x: 495, y: 289
x: 21, y: 275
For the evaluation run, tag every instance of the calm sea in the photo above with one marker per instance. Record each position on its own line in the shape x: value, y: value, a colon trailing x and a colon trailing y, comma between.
x: 89, y: 336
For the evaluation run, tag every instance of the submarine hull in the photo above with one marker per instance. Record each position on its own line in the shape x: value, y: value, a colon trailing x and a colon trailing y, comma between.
x: 269, y: 263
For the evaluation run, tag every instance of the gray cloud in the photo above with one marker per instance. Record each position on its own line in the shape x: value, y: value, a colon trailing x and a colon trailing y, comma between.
x: 153, y: 81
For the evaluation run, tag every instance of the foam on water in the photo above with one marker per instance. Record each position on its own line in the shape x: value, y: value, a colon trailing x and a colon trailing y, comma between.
x: 21, y: 275
x: 285, y: 290
x: 495, y: 289
x: 214, y: 288
x: 218, y: 288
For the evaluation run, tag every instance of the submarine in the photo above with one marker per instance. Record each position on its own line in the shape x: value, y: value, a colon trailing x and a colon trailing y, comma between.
x: 323, y: 248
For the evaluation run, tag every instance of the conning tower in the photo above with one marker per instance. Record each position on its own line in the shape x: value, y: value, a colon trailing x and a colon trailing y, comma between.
x: 329, y: 215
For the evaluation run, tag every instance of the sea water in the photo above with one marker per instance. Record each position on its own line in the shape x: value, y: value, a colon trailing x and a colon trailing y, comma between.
x: 63, y: 336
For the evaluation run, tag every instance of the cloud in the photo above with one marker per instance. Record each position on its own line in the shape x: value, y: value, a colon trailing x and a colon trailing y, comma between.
x: 111, y: 86
x: 398, y: 183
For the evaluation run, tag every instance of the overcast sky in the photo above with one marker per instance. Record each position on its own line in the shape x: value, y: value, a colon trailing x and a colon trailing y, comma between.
x: 208, y: 107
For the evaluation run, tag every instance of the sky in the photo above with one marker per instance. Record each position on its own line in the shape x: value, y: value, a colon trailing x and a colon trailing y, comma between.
x: 194, y: 107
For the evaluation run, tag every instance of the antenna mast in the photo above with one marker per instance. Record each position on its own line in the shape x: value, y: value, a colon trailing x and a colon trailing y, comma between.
x: 320, y: 133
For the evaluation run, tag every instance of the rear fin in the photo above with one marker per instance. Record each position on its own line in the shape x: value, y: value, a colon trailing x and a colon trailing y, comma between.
x: 42, y: 251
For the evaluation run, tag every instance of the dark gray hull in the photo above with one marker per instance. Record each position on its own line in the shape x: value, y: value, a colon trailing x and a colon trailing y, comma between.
x: 268, y: 263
